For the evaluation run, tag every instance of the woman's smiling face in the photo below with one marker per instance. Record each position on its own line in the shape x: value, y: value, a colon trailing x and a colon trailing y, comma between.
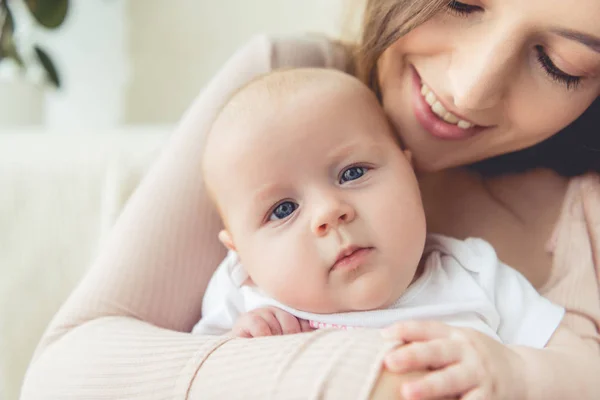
x: 488, y: 77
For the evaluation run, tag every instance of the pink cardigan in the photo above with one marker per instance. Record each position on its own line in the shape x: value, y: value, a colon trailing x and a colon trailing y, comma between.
x: 123, y: 332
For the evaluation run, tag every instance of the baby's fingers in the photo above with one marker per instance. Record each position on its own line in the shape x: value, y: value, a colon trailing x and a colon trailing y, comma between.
x: 289, y: 323
x: 268, y: 316
x: 258, y: 327
x: 249, y: 326
x: 305, y: 326
x: 420, y: 356
x: 452, y: 381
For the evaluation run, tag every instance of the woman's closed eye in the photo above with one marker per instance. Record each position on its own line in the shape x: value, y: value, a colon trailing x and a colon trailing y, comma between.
x: 549, y: 67
x: 462, y: 9
x: 283, y: 210
x: 570, y: 81
x: 352, y: 173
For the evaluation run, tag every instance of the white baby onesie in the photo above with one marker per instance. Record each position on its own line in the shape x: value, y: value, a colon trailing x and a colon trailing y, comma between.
x: 463, y: 284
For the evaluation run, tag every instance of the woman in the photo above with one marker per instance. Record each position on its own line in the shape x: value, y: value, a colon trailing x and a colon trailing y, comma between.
x: 503, y: 74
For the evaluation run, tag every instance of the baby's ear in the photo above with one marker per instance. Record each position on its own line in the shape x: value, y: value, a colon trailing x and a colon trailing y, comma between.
x: 226, y: 239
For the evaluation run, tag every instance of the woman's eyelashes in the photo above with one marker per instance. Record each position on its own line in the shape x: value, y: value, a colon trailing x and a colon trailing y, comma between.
x: 462, y: 9
x: 570, y: 81
x: 556, y: 74
x: 283, y: 210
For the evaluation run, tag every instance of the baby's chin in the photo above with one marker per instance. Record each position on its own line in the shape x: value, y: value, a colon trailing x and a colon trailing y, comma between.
x: 348, y: 303
x: 376, y: 298
x: 369, y: 303
x: 371, y: 292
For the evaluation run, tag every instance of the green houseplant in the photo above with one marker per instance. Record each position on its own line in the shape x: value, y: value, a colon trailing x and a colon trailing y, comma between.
x: 49, y: 14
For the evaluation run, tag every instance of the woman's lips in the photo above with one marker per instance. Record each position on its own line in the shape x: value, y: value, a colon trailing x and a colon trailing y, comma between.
x: 431, y: 122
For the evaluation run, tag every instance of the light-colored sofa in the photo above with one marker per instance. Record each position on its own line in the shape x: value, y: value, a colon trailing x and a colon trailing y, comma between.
x: 59, y: 195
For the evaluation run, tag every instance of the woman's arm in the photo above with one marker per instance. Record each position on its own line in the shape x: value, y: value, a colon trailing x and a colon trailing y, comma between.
x: 574, y: 282
x: 565, y: 369
x: 570, y: 366
x: 590, y: 194
x: 122, y: 358
x: 123, y: 332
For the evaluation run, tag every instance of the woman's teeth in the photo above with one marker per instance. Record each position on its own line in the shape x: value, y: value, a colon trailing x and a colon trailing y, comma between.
x: 439, y: 110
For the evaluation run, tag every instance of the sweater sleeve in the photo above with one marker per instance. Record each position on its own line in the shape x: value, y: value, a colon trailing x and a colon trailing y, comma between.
x: 575, y: 279
x: 124, y: 332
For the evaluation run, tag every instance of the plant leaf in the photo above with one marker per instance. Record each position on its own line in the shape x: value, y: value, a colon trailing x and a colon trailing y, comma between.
x: 8, y: 49
x: 48, y: 65
x: 9, y: 21
x: 49, y: 13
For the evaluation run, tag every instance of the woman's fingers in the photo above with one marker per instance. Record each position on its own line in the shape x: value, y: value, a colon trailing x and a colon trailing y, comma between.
x: 475, y: 394
x: 448, y: 382
x: 417, y: 356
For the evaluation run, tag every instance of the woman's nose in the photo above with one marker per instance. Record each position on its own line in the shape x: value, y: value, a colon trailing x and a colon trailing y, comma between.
x: 479, y: 73
x: 330, y: 214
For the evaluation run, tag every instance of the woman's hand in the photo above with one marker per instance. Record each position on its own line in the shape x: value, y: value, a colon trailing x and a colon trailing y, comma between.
x: 463, y: 362
x: 268, y: 321
x: 389, y: 385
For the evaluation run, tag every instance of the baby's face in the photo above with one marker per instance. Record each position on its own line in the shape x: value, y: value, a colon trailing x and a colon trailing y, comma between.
x: 322, y: 205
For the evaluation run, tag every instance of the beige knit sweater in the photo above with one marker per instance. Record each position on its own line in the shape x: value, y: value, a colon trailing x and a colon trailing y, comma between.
x: 123, y: 332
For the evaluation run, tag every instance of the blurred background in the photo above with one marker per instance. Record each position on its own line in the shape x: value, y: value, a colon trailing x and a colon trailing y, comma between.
x: 89, y: 90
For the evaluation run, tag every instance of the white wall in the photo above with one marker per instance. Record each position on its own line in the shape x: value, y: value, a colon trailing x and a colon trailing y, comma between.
x: 144, y: 61
x: 21, y: 103
x: 175, y: 49
x: 91, y: 53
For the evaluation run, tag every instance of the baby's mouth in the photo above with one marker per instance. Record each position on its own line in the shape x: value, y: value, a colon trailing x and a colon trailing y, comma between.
x: 351, y: 257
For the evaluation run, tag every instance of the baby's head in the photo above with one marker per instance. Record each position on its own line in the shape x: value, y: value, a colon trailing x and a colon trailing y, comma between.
x: 318, y: 199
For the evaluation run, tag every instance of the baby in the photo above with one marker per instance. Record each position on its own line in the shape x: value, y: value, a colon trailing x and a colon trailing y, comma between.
x: 323, y: 209
x: 326, y: 229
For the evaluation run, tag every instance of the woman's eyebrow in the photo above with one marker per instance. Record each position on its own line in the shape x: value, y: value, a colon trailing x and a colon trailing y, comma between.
x: 588, y: 40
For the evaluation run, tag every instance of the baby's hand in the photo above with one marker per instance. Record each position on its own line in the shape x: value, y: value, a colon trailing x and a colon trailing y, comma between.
x: 268, y: 321
x: 463, y: 362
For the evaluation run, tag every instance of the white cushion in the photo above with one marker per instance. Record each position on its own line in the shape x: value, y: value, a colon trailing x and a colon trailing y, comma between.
x: 59, y: 194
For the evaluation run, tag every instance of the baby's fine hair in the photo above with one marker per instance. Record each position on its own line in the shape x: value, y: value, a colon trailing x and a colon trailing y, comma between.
x: 265, y: 91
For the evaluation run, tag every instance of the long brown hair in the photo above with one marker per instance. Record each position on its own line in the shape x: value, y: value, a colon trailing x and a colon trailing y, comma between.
x: 571, y: 152
x: 384, y: 22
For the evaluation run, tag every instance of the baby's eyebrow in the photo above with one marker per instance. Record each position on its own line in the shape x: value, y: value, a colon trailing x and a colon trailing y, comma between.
x: 263, y: 194
x: 343, y: 152
x: 346, y: 149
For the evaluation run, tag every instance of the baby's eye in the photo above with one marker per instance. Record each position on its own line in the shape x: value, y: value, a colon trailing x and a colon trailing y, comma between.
x: 283, y: 210
x: 352, y: 174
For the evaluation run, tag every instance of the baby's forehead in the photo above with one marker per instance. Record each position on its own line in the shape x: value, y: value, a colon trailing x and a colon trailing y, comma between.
x: 263, y: 97
x: 284, y: 99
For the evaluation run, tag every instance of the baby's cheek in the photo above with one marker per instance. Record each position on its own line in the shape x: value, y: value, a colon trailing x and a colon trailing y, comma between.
x: 307, y: 291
